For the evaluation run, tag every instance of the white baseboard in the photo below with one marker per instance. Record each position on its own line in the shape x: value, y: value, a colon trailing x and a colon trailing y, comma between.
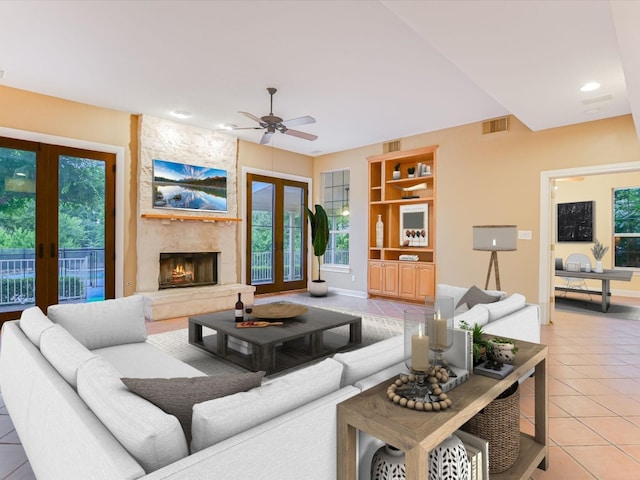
x: 350, y: 293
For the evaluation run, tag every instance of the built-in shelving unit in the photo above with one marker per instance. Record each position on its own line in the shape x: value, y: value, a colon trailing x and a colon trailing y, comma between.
x: 389, y: 196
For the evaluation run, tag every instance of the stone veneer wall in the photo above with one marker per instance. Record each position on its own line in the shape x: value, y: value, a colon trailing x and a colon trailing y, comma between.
x: 175, y: 142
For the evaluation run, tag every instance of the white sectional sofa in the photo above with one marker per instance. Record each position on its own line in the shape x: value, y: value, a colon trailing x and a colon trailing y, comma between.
x: 505, y: 316
x: 60, y: 379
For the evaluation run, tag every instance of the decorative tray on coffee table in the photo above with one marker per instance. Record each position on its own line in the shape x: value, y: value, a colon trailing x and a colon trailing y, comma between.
x: 278, y: 310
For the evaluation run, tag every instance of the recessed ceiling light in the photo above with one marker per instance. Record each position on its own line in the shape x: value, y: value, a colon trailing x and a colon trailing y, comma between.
x: 590, y: 87
x: 181, y: 114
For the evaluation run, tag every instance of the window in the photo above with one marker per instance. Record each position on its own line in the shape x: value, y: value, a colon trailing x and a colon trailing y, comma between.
x: 335, y: 188
x: 626, y: 227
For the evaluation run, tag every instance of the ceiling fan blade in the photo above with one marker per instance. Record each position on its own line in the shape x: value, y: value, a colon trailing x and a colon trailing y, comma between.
x: 265, y: 138
x: 247, y: 128
x: 252, y: 117
x: 299, y: 134
x: 299, y: 121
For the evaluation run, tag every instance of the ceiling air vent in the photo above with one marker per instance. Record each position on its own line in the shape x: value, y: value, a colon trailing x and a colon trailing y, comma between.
x: 393, y: 146
x: 496, y: 125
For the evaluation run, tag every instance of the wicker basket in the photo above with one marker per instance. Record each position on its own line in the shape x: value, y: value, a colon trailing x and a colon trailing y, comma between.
x: 499, y: 424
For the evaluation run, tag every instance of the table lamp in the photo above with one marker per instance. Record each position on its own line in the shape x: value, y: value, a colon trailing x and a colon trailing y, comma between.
x: 495, y: 238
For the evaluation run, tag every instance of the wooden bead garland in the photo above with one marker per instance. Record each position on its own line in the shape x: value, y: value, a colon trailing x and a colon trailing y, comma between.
x: 434, y: 377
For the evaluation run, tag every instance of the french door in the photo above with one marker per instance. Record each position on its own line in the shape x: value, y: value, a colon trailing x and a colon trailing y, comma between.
x: 57, y: 226
x: 276, y: 234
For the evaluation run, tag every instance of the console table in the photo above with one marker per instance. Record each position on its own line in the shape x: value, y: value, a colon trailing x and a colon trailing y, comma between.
x: 606, y: 276
x: 416, y: 433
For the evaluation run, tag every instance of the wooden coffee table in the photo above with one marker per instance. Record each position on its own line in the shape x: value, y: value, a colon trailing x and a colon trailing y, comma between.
x: 275, y: 348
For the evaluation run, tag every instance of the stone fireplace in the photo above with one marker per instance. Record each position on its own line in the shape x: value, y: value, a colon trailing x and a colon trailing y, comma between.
x: 186, y: 232
x: 181, y: 270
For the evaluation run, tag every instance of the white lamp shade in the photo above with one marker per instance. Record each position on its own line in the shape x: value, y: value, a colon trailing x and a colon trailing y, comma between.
x: 495, y: 238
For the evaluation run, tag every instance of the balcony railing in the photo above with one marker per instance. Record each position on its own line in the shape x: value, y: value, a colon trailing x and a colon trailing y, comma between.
x: 262, y: 267
x: 17, y: 280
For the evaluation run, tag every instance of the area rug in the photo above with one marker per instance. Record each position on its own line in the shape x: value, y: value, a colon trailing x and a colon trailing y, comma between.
x: 176, y: 343
x: 594, y: 307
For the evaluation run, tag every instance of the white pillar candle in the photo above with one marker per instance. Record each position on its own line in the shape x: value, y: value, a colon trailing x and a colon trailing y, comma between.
x: 420, y: 352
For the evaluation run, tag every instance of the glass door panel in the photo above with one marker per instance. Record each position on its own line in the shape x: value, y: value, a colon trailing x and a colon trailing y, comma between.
x: 81, y: 229
x: 293, y: 233
x: 262, y: 239
x: 17, y: 229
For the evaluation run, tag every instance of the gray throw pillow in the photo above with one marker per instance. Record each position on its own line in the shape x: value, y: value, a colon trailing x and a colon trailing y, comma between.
x: 176, y: 396
x: 474, y: 296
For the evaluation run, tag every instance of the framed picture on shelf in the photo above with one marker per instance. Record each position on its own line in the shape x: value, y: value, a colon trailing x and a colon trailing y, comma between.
x: 414, y: 225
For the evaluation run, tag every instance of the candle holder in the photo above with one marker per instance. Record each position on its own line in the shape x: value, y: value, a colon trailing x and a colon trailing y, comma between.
x: 416, y: 351
x: 440, y: 313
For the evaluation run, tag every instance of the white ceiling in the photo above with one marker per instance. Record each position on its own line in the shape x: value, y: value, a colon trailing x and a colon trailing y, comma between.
x: 368, y: 71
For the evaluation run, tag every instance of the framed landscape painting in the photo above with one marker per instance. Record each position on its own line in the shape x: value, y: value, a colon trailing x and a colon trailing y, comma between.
x: 189, y: 187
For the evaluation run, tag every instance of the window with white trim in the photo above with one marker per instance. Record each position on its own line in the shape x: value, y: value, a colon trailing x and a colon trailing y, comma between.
x: 335, y: 198
x: 626, y: 227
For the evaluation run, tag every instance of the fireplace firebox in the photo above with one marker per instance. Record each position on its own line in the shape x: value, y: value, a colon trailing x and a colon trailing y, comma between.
x: 188, y: 269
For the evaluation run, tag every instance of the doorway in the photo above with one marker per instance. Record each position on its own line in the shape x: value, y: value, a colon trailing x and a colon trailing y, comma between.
x: 547, y: 228
x: 57, y: 225
x: 276, y: 238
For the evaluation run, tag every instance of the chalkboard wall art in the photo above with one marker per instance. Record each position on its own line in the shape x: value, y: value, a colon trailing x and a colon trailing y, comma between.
x: 575, y: 222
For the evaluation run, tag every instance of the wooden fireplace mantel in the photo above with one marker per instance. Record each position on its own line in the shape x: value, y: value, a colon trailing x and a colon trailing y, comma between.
x: 200, y: 218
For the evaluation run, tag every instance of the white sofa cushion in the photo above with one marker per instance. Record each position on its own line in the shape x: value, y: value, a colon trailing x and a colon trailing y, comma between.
x: 505, y: 307
x: 144, y: 360
x: 368, y: 360
x: 476, y: 315
x: 153, y: 437
x: 224, y: 417
x: 33, y: 322
x: 103, y: 324
x: 64, y: 352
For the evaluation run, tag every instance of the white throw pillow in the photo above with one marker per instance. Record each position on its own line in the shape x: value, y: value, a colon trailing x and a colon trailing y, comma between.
x: 154, y: 438
x: 65, y: 353
x: 505, y: 307
x: 224, y: 417
x: 103, y: 324
x: 368, y: 360
x: 32, y: 323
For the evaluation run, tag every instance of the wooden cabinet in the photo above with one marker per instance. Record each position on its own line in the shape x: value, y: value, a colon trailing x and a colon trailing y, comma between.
x: 406, y: 204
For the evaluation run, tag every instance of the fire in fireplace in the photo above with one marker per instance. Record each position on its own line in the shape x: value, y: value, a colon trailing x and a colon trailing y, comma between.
x: 188, y: 269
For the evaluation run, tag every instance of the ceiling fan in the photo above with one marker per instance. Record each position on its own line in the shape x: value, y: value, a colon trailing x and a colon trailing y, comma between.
x: 272, y: 123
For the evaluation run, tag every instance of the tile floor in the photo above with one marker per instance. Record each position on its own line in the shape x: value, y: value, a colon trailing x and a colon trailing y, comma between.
x: 594, y: 393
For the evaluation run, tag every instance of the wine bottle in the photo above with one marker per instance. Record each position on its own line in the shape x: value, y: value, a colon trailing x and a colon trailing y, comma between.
x: 239, y: 310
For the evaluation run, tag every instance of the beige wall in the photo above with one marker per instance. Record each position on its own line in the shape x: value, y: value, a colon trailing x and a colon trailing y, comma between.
x: 598, y: 188
x: 490, y: 179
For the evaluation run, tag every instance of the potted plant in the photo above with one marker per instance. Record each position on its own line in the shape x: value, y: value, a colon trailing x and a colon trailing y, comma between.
x: 479, y: 344
x: 502, y: 349
x: 411, y: 171
x: 396, y: 171
x: 319, y: 223
x: 598, y: 251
